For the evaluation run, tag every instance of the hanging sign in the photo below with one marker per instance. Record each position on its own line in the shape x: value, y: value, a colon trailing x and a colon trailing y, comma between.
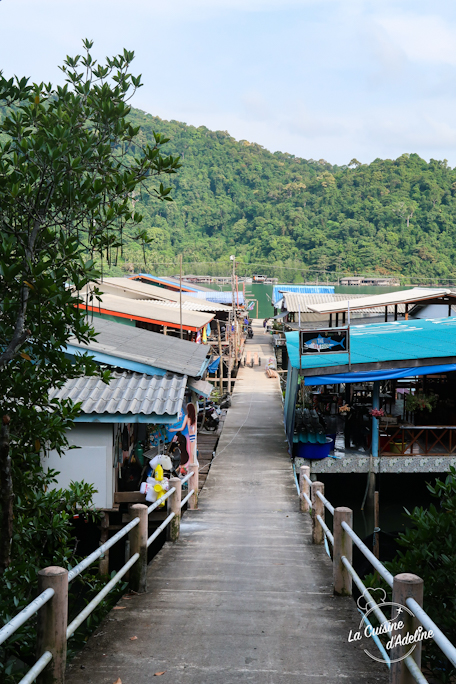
x: 324, y: 341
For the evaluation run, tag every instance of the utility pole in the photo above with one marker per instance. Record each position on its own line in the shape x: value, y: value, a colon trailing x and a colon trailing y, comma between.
x: 180, y: 296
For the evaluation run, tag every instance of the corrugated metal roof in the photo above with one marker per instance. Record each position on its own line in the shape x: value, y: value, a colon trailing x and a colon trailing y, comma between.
x: 305, y: 303
x: 152, y: 349
x: 127, y: 393
x: 303, y: 289
x: 147, y: 310
x: 134, y: 289
x: 201, y: 305
x: 416, y: 294
x: 224, y: 297
x: 383, y: 342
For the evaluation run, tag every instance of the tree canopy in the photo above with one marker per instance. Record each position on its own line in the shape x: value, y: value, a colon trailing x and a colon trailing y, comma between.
x: 389, y: 217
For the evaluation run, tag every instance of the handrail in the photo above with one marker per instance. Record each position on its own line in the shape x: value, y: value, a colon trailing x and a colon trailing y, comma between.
x: 445, y: 645
x: 160, y: 529
x: 326, y: 529
x: 74, y: 572
x: 307, y: 499
x: 7, y: 630
x: 187, y: 477
x: 37, y: 668
x: 326, y: 503
x: 387, y: 576
x: 79, y: 619
x: 19, y: 619
x: 160, y: 501
x: 184, y: 501
x: 439, y: 637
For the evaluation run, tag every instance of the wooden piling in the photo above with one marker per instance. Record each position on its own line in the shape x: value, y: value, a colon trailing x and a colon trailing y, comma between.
x: 103, y: 565
x: 405, y: 585
x: 343, y: 546
x: 174, y: 506
x: 138, y: 544
x: 193, y: 484
x: 52, y: 624
x: 318, y: 508
x: 304, y: 487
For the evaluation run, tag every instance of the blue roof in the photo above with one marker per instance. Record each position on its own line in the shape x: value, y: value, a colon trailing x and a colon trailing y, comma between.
x: 383, y: 342
x: 225, y: 297
x: 300, y: 289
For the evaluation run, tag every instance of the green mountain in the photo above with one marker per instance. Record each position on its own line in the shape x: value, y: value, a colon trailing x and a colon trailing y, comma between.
x: 390, y: 216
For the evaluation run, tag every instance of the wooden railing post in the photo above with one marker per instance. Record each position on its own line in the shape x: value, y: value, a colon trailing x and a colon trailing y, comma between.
x: 193, y: 484
x: 318, y: 508
x: 138, y: 544
x: 52, y: 624
x: 343, y: 546
x: 174, y: 506
x: 405, y: 585
x: 304, y: 487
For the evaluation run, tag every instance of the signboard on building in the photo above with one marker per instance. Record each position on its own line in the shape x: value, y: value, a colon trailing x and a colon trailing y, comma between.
x: 324, y: 341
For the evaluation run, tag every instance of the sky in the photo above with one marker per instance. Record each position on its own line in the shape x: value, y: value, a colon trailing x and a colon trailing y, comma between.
x: 320, y: 79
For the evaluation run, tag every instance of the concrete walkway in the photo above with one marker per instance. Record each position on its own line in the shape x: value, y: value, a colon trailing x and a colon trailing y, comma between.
x: 243, y: 596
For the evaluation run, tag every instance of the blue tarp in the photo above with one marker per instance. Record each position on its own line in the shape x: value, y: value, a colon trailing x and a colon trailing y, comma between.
x: 383, y: 342
x: 214, y: 365
x: 372, y: 376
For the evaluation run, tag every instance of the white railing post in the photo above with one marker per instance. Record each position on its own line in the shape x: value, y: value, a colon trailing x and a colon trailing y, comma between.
x: 193, y: 484
x: 343, y: 546
x: 318, y: 508
x: 174, y: 506
x: 138, y: 544
x: 52, y: 624
x: 304, y: 487
x: 405, y: 585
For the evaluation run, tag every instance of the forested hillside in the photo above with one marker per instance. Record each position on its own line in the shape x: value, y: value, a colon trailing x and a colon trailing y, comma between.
x: 391, y: 216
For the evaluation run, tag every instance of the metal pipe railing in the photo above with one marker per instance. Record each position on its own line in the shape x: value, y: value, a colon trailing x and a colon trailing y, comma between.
x: 439, y: 637
x: 74, y: 572
x: 326, y: 529
x: 161, y: 500
x: 387, y: 576
x: 160, y: 529
x: 326, y: 503
x: 19, y: 619
x: 37, y: 668
x: 187, y: 477
x: 184, y: 501
x: 84, y: 614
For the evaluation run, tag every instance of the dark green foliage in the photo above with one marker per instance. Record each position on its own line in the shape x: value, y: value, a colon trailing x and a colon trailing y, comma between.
x: 44, y: 536
x: 391, y: 216
x: 68, y: 172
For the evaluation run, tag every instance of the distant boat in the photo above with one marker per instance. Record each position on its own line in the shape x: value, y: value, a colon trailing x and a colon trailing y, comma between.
x: 259, y: 278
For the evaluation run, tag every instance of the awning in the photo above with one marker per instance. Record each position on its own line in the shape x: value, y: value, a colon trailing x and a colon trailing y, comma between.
x: 213, y: 366
x: 372, y: 376
x: 282, y: 314
x: 200, y: 387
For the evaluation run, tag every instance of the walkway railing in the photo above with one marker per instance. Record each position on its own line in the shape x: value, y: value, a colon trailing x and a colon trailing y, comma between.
x: 407, y: 588
x: 418, y: 440
x: 52, y: 602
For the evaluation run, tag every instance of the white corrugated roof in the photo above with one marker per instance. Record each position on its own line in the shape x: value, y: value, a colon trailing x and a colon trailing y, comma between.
x: 306, y: 302
x: 135, y: 289
x: 127, y: 393
x: 148, y: 310
x: 417, y: 294
x: 201, y: 305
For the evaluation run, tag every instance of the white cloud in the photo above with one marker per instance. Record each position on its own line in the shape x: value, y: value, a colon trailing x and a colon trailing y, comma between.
x: 423, y: 39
